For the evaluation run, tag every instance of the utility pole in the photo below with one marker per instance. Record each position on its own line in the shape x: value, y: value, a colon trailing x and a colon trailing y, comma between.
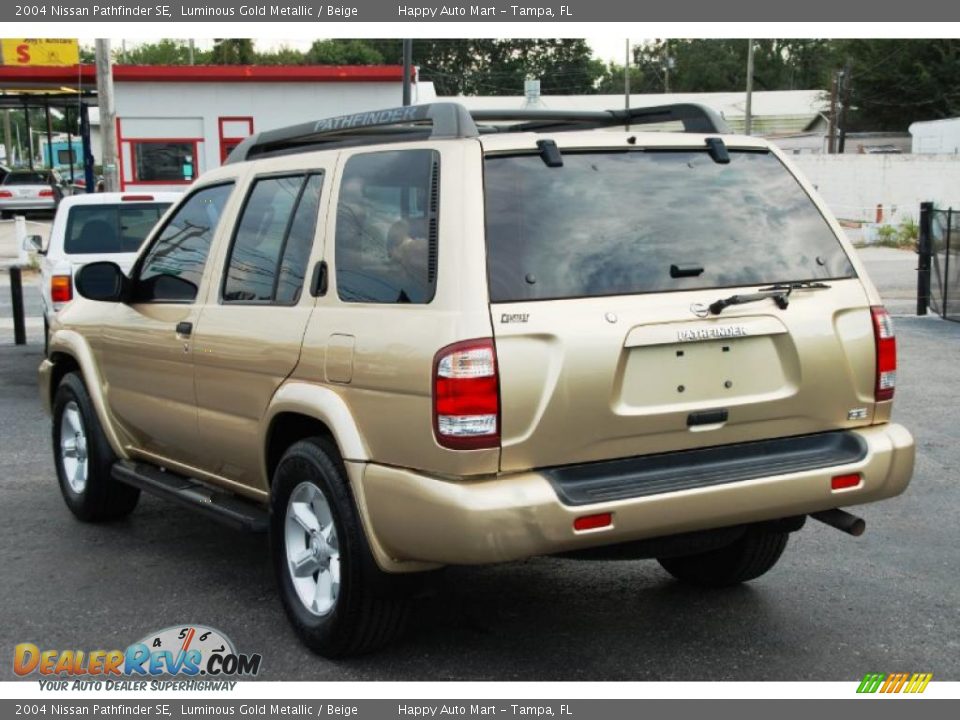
x: 626, y: 83
x: 832, y: 125
x: 407, y: 66
x: 748, y: 124
x: 108, y: 126
x: 7, y: 138
x: 844, y: 107
x: 666, y: 67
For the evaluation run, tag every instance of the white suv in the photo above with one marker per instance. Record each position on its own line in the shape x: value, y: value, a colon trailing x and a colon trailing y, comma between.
x: 93, y: 227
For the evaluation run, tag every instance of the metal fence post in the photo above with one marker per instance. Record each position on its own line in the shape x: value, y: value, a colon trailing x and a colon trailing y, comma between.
x: 16, y: 298
x: 925, y: 248
x: 946, y: 264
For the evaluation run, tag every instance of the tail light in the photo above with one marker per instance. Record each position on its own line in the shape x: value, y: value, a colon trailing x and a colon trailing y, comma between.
x: 6, y: 194
x: 466, y: 396
x: 45, y: 193
x: 61, y: 288
x: 886, y: 344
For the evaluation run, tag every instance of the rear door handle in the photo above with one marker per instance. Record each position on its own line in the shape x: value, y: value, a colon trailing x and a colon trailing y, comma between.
x: 184, y: 328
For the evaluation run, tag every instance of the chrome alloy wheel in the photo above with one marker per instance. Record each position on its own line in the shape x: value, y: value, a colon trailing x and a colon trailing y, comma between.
x: 73, y: 447
x: 313, y: 552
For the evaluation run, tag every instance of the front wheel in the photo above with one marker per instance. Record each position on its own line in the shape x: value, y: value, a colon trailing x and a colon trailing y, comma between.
x: 337, y: 599
x: 83, y: 457
x: 749, y: 557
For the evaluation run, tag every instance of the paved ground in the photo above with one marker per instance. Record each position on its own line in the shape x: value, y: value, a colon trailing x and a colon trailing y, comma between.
x: 834, y: 608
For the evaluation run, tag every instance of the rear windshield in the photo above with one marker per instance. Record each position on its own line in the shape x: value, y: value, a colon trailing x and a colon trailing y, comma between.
x: 27, y: 178
x: 613, y: 223
x: 110, y: 228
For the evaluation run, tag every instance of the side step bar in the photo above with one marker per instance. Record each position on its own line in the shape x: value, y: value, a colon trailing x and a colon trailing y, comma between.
x: 217, y: 504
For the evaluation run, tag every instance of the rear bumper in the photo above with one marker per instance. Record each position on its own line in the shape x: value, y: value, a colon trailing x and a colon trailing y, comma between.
x: 413, y: 517
x: 29, y: 204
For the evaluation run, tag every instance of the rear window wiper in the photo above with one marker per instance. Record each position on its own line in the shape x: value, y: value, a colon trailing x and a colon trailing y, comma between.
x: 797, y: 285
x: 778, y: 292
x: 778, y: 296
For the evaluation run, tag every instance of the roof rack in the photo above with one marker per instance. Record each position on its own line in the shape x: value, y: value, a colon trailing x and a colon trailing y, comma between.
x: 452, y: 120
x: 695, y: 119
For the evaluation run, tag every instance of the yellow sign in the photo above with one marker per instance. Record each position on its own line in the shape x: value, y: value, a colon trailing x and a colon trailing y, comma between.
x: 56, y: 51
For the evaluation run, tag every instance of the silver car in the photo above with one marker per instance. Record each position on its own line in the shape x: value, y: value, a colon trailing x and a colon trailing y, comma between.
x: 30, y: 190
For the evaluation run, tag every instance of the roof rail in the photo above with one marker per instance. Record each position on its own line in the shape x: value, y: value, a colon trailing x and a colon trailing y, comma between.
x: 445, y: 120
x: 451, y: 120
x: 695, y: 118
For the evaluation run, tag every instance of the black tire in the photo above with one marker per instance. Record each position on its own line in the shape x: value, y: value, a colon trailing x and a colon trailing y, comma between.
x: 101, y: 498
x: 5, y: 215
x: 372, y: 607
x: 749, y: 557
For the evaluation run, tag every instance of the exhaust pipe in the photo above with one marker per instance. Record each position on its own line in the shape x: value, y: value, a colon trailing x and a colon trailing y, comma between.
x: 841, y: 520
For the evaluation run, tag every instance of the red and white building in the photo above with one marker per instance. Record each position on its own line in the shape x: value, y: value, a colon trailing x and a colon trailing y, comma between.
x: 175, y: 122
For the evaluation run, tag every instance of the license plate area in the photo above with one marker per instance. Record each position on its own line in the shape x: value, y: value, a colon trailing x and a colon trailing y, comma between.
x: 672, y: 377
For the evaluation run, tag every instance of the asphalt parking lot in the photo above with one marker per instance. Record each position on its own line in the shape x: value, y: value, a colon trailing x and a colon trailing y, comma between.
x: 835, y: 607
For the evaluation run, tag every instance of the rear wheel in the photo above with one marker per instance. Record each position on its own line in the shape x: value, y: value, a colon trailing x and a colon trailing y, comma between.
x: 337, y: 599
x: 83, y: 457
x: 749, y: 557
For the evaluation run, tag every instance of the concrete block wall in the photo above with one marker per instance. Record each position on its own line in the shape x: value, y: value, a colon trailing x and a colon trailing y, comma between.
x: 853, y: 185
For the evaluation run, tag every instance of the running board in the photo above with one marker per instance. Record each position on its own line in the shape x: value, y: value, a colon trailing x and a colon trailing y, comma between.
x: 220, y: 505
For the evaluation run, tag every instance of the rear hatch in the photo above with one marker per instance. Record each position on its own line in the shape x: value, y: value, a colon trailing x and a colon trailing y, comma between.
x: 601, y: 273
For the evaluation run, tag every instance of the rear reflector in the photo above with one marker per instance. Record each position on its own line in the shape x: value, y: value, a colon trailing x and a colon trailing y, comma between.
x: 136, y: 198
x: 592, y: 522
x: 843, y: 482
x: 45, y: 193
x: 886, y: 345
x: 6, y: 194
x: 61, y: 288
x: 466, y: 396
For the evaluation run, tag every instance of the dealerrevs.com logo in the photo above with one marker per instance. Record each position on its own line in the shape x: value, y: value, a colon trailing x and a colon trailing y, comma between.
x: 182, y: 651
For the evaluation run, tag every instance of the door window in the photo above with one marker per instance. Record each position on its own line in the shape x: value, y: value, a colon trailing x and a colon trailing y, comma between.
x: 172, y: 268
x: 272, y: 243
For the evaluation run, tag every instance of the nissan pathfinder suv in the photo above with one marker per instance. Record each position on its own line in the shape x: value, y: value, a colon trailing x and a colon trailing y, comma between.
x: 420, y: 337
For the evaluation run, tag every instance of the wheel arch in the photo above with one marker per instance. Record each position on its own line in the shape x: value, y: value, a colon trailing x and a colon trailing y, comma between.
x: 69, y: 352
x: 300, y: 410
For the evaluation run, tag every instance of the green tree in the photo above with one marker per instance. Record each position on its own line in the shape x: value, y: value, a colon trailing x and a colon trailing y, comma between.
x: 897, y: 82
x: 709, y: 65
x: 642, y: 80
x: 163, y: 52
x: 343, y: 52
x: 233, y: 51
x: 281, y: 56
x: 485, y: 66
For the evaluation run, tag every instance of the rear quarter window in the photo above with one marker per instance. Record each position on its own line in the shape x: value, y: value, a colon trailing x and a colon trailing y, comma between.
x: 613, y: 223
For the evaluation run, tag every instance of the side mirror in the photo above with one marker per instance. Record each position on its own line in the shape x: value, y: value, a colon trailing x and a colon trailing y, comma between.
x: 34, y: 243
x: 103, y: 281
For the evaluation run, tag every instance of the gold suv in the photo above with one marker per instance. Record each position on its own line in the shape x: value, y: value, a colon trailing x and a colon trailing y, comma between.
x: 417, y: 337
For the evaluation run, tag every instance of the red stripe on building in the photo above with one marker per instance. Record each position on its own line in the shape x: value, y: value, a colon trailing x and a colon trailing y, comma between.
x: 86, y: 74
